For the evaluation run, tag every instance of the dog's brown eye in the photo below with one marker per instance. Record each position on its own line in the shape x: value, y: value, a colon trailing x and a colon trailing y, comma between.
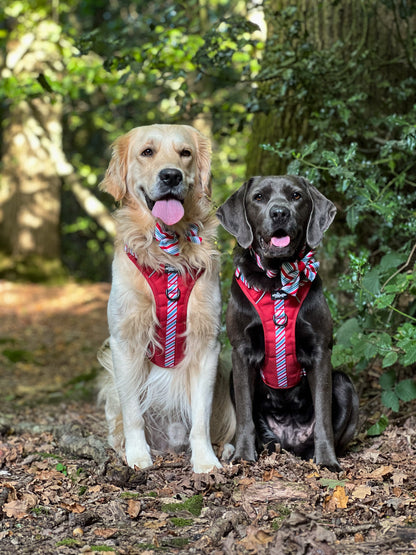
x: 258, y: 197
x: 186, y: 153
x: 147, y: 152
x: 296, y: 196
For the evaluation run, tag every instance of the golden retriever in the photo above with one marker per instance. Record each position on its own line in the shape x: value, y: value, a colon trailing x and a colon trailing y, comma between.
x: 161, y: 175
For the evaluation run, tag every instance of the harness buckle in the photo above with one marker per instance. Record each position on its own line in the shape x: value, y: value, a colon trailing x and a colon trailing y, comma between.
x: 276, y: 295
x: 280, y: 321
x: 173, y: 295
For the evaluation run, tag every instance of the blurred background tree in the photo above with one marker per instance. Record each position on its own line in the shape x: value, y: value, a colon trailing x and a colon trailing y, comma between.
x: 329, y: 93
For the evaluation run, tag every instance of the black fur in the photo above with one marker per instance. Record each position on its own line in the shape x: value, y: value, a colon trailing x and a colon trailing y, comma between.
x: 318, y: 417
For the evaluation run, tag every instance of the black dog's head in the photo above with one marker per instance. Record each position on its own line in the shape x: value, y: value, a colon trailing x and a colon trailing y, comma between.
x: 277, y: 215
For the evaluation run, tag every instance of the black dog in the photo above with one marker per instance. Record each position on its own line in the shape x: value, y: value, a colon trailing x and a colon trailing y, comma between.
x: 285, y: 389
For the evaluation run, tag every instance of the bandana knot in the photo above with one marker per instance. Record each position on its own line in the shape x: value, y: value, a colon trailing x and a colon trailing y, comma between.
x: 291, y: 273
x: 169, y: 240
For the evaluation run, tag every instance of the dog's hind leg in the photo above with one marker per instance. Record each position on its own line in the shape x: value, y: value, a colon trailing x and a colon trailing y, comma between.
x: 345, y: 410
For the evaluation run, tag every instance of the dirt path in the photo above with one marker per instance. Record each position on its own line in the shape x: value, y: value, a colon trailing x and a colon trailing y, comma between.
x: 63, y: 491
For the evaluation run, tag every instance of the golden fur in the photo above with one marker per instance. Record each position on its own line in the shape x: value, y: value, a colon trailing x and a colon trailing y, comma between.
x: 150, y: 408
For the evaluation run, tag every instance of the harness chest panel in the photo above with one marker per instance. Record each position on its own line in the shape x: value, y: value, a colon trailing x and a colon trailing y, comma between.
x: 278, y: 313
x: 171, y: 292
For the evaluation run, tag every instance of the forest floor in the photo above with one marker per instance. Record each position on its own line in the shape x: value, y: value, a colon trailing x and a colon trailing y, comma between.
x: 62, y: 490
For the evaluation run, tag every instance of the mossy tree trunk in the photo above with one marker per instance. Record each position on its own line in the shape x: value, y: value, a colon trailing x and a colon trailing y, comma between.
x: 359, y: 27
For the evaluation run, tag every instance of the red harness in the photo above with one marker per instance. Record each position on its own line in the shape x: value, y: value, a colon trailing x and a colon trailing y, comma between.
x: 278, y: 313
x: 171, y: 292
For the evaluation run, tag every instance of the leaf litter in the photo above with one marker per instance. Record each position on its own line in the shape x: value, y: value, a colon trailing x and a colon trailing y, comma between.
x: 62, y: 490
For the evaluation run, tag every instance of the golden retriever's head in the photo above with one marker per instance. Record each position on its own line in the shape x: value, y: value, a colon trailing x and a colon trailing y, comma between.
x: 163, y: 167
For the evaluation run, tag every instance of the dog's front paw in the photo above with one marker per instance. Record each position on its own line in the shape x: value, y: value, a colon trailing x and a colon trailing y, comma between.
x: 138, y: 458
x: 245, y: 451
x: 325, y: 456
x: 203, y: 466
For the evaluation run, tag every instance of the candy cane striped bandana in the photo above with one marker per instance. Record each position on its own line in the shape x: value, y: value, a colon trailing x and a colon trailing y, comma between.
x: 169, y: 241
x: 290, y: 273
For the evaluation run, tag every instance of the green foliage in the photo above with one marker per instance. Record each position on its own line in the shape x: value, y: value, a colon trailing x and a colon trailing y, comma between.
x: 379, y: 427
x: 193, y: 505
x: 119, y: 65
x: 62, y: 468
x: 362, y: 130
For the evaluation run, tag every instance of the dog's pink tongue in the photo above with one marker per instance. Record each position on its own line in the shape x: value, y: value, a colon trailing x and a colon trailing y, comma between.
x: 280, y: 241
x: 169, y: 211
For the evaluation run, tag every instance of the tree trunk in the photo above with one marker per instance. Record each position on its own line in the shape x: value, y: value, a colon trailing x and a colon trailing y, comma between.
x: 32, y: 148
x: 359, y: 26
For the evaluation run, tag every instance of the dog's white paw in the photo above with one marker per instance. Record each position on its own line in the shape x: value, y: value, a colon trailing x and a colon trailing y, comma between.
x: 138, y: 458
x: 202, y: 466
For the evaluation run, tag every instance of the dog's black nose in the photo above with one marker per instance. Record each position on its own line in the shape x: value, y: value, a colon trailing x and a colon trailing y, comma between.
x: 279, y: 213
x: 170, y: 177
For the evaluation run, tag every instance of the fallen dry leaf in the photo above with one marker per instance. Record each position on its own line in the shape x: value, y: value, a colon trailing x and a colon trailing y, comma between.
x: 105, y: 532
x: 17, y: 509
x: 380, y: 472
x: 398, y: 478
x: 271, y: 474
x: 73, y: 507
x: 255, y: 538
x: 133, y: 508
x: 361, y: 492
x: 338, y: 500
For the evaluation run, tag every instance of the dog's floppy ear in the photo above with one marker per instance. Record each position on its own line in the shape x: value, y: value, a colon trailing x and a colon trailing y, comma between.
x: 322, y: 214
x: 233, y: 216
x: 203, y: 161
x: 115, y: 179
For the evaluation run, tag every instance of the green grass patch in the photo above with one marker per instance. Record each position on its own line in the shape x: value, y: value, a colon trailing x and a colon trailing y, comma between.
x: 193, y: 505
x: 181, y: 522
x: 18, y: 355
x: 68, y: 541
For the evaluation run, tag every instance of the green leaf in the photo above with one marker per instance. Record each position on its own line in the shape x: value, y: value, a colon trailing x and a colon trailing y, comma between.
x: 330, y: 483
x: 390, y: 400
x: 371, y: 281
x: 385, y: 300
x: 388, y: 379
x: 406, y: 390
x: 349, y: 328
x: 410, y: 356
x: 390, y: 359
x: 379, y: 427
x: 391, y: 260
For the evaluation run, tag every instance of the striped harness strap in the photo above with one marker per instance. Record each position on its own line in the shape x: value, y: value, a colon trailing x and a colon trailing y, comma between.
x: 278, y: 312
x: 171, y: 292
